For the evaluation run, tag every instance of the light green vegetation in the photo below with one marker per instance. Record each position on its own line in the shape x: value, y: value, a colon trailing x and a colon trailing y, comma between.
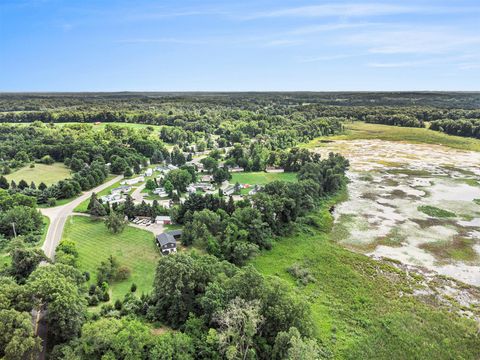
x: 48, y: 174
x: 435, y: 212
x: 360, y: 130
x: 261, y: 178
x: 134, y: 248
x: 459, y: 249
x: 356, y: 302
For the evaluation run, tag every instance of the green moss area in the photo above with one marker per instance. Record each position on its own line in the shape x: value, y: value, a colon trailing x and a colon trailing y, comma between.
x: 435, y: 212
x: 134, y: 248
x: 362, y: 308
x: 360, y: 130
x: 459, y: 248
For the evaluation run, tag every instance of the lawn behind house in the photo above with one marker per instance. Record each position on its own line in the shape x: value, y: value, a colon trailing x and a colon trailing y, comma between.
x: 134, y: 248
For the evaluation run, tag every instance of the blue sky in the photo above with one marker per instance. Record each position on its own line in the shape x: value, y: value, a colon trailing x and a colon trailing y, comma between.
x: 55, y: 45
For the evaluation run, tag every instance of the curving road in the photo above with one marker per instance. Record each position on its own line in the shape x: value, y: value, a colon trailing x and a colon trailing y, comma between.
x: 58, y: 216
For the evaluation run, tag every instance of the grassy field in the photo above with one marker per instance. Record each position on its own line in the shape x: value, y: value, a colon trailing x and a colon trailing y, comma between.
x: 261, y: 178
x: 360, y: 130
x: 134, y: 248
x: 359, y: 305
x: 49, y: 174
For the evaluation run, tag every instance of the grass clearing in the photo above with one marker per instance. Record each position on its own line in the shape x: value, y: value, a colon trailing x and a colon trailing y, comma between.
x: 262, y: 178
x: 435, y: 212
x: 363, y: 308
x: 360, y: 130
x: 134, y: 248
x: 48, y: 174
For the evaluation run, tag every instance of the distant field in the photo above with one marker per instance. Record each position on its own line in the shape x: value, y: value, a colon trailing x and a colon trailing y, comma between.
x: 49, y: 174
x: 261, y: 178
x: 134, y: 248
x: 360, y: 130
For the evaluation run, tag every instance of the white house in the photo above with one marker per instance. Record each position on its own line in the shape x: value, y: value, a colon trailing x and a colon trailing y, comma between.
x: 164, y: 220
x: 148, y: 172
x: 121, y: 190
x: 191, y: 189
x: 133, y: 181
x: 160, y: 192
x: 112, y: 198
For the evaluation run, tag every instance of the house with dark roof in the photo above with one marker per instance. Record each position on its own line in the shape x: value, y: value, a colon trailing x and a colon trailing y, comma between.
x: 167, y: 241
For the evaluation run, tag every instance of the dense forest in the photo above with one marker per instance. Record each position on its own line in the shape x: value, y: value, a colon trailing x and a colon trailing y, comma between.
x: 208, y: 301
x: 283, y: 119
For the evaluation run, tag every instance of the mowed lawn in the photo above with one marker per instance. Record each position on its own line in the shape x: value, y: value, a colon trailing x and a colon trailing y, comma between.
x: 48, y: 174
x: 134, y: 248
x: 360, y: 130
x: 261, y: 178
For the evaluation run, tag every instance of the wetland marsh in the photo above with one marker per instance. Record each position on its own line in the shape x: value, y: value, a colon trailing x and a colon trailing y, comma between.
x: 415, y: 203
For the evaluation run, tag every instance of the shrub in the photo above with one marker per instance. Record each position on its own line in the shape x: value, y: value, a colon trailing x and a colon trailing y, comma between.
x: 123, y: 273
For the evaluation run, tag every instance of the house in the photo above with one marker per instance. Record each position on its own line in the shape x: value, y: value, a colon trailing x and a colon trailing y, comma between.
x: 167, y: 241
x: 203, y: 186
x: 236, y: 169
x: 164, y: 220
x: 112, y: 199
x: 162, y: 169
x: 229, y: 190
x: 207, y: 178
x: 121, y: 189
x: 133, y: 181
x: 255, y: 189
x: 191, y: 189
x: 148, y: 172
x: 271, y: 169
x: 172, y: 167
x: 160, y: 192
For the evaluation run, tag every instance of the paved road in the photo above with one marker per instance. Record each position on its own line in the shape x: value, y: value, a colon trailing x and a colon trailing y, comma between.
x: 59, y: 214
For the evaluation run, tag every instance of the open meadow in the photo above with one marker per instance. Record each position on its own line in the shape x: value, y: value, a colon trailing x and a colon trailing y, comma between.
x: 134, y: 248
x: 48, y: 174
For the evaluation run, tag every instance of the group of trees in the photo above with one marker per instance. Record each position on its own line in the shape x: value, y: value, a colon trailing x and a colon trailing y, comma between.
x: 460, y: 127
x: 236, y: 231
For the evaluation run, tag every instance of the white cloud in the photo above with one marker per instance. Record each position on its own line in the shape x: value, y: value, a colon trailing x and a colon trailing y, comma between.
x: 358, y: 10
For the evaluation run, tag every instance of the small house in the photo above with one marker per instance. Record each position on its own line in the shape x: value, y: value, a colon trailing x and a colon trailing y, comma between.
x: 236, y: 169
x: 160, y: 192
x: 133, y: 181
x: 164, y: 220
x: 229, y: 190
x: 207, y: 178
x: 167, y: 241
x: 148, y: 172
x: 271, y: 169
x: 121, y: 189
